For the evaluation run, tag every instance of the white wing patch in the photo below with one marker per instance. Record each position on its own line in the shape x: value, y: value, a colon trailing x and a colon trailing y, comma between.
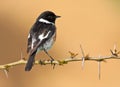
x: 29, y: 36
x: 45, y: 21
x: 33, y: 41
x: 41, y: 37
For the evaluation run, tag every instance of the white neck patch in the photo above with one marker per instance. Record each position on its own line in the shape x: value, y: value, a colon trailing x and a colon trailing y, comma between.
x: 45, y: 21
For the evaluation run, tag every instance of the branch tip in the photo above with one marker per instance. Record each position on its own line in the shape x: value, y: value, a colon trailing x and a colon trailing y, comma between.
x: 73, y: 55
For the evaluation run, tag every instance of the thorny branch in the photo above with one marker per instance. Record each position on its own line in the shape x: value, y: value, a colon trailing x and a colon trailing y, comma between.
x: 114, y: 55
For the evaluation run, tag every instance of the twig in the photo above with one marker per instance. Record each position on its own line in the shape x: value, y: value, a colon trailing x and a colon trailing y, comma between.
x: 72, y: 58
x: 57, y: 62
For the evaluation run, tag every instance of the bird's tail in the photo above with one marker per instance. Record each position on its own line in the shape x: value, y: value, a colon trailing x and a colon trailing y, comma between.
x: 30, y: 62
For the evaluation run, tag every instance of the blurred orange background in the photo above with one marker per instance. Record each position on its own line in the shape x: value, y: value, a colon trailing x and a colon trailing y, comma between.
x: 93, y: 23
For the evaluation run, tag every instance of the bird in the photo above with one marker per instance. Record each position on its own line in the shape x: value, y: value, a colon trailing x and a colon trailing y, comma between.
x: 41, y: 37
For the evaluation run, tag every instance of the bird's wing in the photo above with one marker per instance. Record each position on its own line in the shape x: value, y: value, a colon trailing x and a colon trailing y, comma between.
x: 29, y: 43
x: 38, y: 36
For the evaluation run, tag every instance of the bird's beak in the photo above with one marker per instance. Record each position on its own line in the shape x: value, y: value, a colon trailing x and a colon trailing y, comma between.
x: 58, y: 16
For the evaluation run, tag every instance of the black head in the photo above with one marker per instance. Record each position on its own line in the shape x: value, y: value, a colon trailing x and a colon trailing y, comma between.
x: 49, y: 16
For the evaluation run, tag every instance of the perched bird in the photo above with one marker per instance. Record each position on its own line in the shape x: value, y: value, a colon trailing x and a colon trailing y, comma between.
x: 41, y: 36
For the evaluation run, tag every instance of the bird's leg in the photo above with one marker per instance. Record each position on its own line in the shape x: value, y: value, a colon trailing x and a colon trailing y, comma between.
x: 52, y: 59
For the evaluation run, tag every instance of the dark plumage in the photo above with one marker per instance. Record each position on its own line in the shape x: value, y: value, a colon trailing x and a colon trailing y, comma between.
x: 41, y: 37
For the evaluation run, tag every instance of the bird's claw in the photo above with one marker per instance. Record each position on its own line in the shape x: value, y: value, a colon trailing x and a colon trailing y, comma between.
x: 52, y: 62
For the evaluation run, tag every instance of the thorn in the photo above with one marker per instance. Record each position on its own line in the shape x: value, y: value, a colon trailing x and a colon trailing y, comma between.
x: 6, y: 72
x: 83, y: 57
x: 83, y: 62
x: 114, y: 48
x: 114, y: 52
x: 118, y: 52
x: 82, y: 51
x: 99, y: 69
x: 111, y: 52
x: 21, y: 56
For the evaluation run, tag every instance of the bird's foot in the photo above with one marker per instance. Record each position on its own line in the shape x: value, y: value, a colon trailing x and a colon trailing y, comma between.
x: 52, y: 62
